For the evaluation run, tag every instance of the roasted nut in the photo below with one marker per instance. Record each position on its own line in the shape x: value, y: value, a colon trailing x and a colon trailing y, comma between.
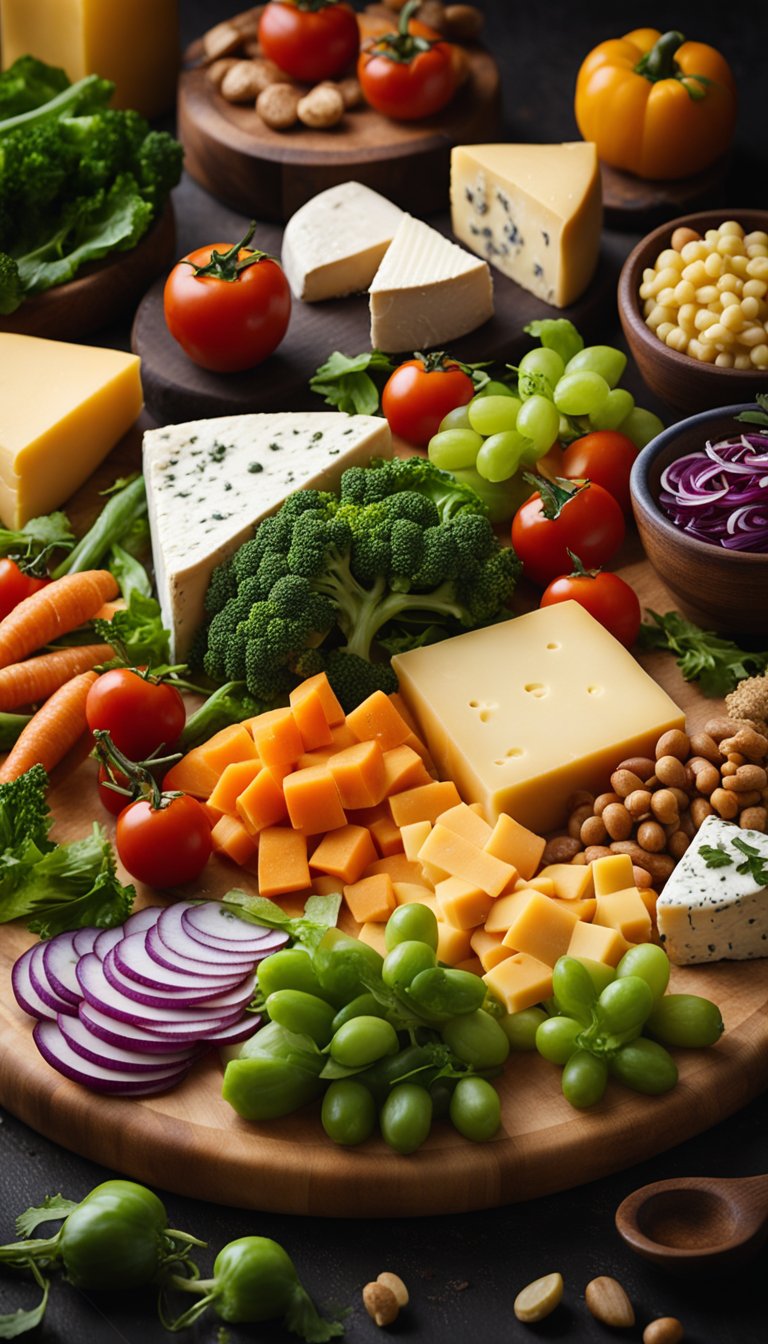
x: 651, y: 836
x: 749, y: 797
x: 677, y: 843
x: 578, y: 798
x: 673, y: 743
x: 462, y: 23
x: 349, y: 88
x: 642, y: 766
x: 593, y: 831
x: 321, y: 108
x: 604, y: 800
x: 638, y: 804
x: 747, y: 778
x: 704, y: 745
x: 593, y: 852
x: 380, y: 1303
x: 277, y: 106
x: 617, y: 819
x: 245, y: 80
x: 395, y: 1285
x: 641, y: 877
x: 624, y: 781
x: 665, y: 806
x: 252, y: 48
x: 577, y: 818
x: 580, y: 859
x: 670, y: 771
x: 729, y: 768
x: 221, y: 40
x: 608, y: 1302
x: 754, y: 818
x: 539, y: 1299
x: 701, y: 808
x: 560, y: 849
x: 682, y: 798
x: 706, y: 774
x: 748, y: 743
x: 659, y: 866
x: 666, y: 1329
x: 218, y: 69
x: 687, y: 823
x: 725, y: 803
x: 432, y: 13
x: 721, y: 727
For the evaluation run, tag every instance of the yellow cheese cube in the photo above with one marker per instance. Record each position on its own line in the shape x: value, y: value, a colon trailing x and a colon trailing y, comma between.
x: 63, y: 407
x: 583, y: 909
x: 572, y: 881
x: 612, y: 873
x: 472, y: 965
x: 459, y: 858
x: 625, y: 911
x: 523, y: 713
x: 520, y: 981
x: 453, y: 945
x: 424, y: 803
x: 406, y: 892
x: 135, y: 43
x: 504, y: 910
x: 413, y: 836
x: 597, y: 942
x: 540, y: 926
x: 545, y: 885
x: 373, y: 935
x: 515, y: 844
x: 489, y: 947
x: 465, y: 821
x: 461, y: 904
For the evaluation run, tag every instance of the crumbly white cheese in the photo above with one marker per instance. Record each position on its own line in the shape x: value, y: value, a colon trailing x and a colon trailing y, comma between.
x: 334, y: 243
x: 715, y: 913
x: 210, y: 481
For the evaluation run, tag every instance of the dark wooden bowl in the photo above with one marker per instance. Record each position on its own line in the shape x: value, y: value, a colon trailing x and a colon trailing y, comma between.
x: 680, y: 380
x: 725, y: 591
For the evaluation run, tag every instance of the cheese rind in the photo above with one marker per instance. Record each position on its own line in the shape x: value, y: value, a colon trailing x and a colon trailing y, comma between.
x: 333, y: 244
x: 427, y: 291
x: 522, y: 713
x: 715, y: 913
x: 210, y: 481
x: 533, y: 211
x: 62, y: 408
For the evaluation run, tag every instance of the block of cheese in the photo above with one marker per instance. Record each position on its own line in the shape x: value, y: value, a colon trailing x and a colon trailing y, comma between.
x: 210, y: 481
x: 135, y: 43
x: 62, y: 408
x: 715, y: 905
x: 427, y: 291
x: 334, y: 243
x: 533, y: 211
x: 523, y: 713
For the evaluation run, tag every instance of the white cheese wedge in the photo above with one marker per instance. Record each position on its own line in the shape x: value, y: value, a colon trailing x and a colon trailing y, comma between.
x: 533, y: 211
x: 210, y: 481
x: 333, y: 245
x: 427, y: 291
x: 713, y: 908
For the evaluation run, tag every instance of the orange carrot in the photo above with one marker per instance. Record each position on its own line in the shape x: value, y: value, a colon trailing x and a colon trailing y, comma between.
x: 109, y: 609
x: 37, y: 678
x: 52, y: 731
x: 52, y: 611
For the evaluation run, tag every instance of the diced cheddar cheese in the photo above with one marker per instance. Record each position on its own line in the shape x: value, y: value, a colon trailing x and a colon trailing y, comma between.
x: 359, y: 775
x: 344, y: 853
x: 400, y: 869
x: 320, y: 685
x: 282, y: 861
x: 583, y: 909
x: 489, y: 947
x: 372, y: 898
x: 229, y: 837
x: 374, y: 935
x: 231, y: 744
x: 543, y: 884
x: 262, y: 803
x: 313, y: 801
x: 472, y: 965
x: 413, y: 836
x: 424, y: 803
x: 515, y: 844
x: 572, y: 881
x: 598, y: 943
x: 625, y: 911
x: 377, y: 719
x: 311, y: 719
x: 386, y: 836
x: 277, y: 740
x: 232, y: 781
x: 453, y: 944
x: 612, y: 873
x: 464, y: 821
x: 408, y: 892
x: 519, y: 981
x: 461, y: 904
x: 192, y: 775
x: 459, y: 858
x: 539, y: 926
x: 403, y: 769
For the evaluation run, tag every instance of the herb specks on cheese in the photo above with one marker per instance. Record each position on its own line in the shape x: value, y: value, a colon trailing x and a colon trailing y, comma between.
x: 255, y: 467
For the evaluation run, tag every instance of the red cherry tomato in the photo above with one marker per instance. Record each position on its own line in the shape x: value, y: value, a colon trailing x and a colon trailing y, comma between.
x: 164, y: 846
x: 308, y: 42
x: 113, y: 801
x: 604, y: 457
x: 605, y: 596
x: 15, y: 586
x: 421, y: 79
x: 589, y: 523
x: 420, y: 392
x: 233, y: 316
x: 139, y: 714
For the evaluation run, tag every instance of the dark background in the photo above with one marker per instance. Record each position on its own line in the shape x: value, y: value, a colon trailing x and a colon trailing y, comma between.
x: 464, y: 1272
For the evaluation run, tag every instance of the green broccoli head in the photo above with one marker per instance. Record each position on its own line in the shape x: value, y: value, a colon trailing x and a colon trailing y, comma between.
x: 11, y: 292
x: 353, y: 679
x: 449, y: 496
x: 28, y: 83
x: 157, y: 167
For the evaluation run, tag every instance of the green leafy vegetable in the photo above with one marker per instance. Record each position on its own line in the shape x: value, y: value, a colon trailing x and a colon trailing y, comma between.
x: 755, y: 863
x: 715, y: 856
x: 115, y: 522
x: 137, y: 632
x: 320, y: 915
x: 345, y: 381
x: 28, y: 83
x: 702, y: 655
x: 31, y: 546
x: 558, y: 334
x: 131, y: 575
x: 758, y: 417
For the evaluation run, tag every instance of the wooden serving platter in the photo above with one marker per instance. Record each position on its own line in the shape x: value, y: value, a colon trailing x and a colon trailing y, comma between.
x: 190, y: 1141
x: 637, y: 203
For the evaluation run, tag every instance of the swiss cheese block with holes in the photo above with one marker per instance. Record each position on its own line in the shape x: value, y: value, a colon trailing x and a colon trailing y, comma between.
x: 523, y: 713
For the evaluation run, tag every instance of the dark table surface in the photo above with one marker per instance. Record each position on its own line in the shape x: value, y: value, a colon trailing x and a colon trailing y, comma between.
x: 463, y: 1271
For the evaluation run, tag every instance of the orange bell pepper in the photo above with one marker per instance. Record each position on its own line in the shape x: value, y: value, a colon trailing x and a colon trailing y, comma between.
x: 656, y: 106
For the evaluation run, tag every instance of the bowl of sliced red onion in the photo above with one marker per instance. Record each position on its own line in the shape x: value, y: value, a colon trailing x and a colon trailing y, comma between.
x: 700, y: 499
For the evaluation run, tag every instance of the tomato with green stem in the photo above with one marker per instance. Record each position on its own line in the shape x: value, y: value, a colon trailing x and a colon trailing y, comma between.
x: 310, y: 40
x: 604, y: 595
x: 227, y: 306
x: 605, y: 457
x: 563, y: 517
x: 140, y: 712
x: 421, y: 392
x: 405, y: 75
x: 15, y: 585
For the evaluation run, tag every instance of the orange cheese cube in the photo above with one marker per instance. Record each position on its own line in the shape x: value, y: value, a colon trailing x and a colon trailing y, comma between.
x: 459, y: 858
x: 311, y: 721
x: 231, y: 744
x: 319, y: 685
x: 358, y: 773
x: 520, y: 981
x: 649, y: 897
x: 229, y: 837
x: 374, y: 935
x: 372, y: 898
x: 377, y: 719
x: 453, y: 944
x: 413, y: 836
x: 400, y: 869
x: 465, y: 821
x: 424, y: 803
x: 597, y: 942
x: 460, y: 904
x: 324, y: 886
x: 539, y: 926
x: 472, y: 965
x: 278, y: 740
x: 503, y: 910
x: 489, y: 947
x: 612, y: 873
x: 313, y: 801
x: 403, y: 769
x: 261, y: 803
x: 282, y: 861
x: 191, y: 775
x: 232, y: 780
x: 344, y: 853
x: 573, y: 881
x: 625, y: 911
x: 386, y: 836
x: 515, y: 844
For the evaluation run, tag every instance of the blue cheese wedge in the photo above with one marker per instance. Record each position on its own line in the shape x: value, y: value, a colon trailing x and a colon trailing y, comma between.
x: 333, y: 245
x: 715, y: 905
x: 210, y: 481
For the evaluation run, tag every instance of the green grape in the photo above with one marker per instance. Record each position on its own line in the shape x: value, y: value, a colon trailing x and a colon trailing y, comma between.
x: 502, y: 499
x: 405, y: 961
x: 451, y: 448
x: 538, y: 421
x: 580, y: 393
x: 446, y: 991
x: 520, y: 1028
x: 584, y: 1079
x: 305, y: 1013
x: 600, y: 974
x: 290, y: 968
x: 685, y: 1019
x: 500, y: 455
x: 495, y: 388
x: 641, y: 426
x: 603, y: 359
x: 365, y: 1005
x: 648, y: 961
x: 475, y: 1109
x: 556, y: 1038
x: 362, y: 1041
x: 412, y: 922
x: 644, y: 1066
x: 614, y: 410
x: 477, y: 1039
x: 492, y: 415
x: 348, y: 1112
x: 543, y: 362
x: 406, y: 1117
x: 624, y: 1005
x: 458, y: 418
x: 573, y: 989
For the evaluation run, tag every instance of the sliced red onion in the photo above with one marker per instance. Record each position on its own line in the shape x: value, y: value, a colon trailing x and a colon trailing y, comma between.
x: 106, y: 940
x: 59, y: 961
x: 98, y: 991
x: 40, y: 982
x: 24, y: 991
x: 130, y: 956
x: 212, y: 923
x: 88, y: 1045
x: 197, y: 1001
x: 100, y: 1077
x: 720, y: 494
x: 142, y: 919
x: 238, y: 1031
x: 84, y: 940
x: 115, y: 1031
x: 170, y: 934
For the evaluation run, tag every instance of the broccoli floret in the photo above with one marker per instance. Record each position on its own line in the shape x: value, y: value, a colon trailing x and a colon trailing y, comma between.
x: 353, y: 679
x: 28, y: 83
x: 448, y: 495
x: 258, y: 640
x: 157, y: 167
x: 11, y: 292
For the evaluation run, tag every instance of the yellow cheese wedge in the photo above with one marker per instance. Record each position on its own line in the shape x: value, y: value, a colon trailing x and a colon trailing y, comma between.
x: 135, y: 44
x: 63, y: 407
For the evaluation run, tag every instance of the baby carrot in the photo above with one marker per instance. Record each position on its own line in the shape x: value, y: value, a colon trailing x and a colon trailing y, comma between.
x: 37, y: 678
x: 52, y: 731
x: 52, y: 611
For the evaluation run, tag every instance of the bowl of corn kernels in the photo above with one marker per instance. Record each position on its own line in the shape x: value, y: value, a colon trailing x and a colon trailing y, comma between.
x: 693, y: 303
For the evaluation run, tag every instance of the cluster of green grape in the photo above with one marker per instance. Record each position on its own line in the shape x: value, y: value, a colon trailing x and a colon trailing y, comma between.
x: 506, y: 429
x: 607, y: 1023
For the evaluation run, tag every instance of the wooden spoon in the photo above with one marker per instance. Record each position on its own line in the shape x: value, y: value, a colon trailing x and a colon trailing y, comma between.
x: 696, y: 1221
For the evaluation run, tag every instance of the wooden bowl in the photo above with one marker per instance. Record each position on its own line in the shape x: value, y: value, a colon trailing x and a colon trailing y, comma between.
x: 678, y: 379
x: 721, y: 590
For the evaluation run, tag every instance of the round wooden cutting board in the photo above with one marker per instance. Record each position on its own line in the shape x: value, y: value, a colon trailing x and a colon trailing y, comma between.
x: 636, y: 203
x: 190, y: 1141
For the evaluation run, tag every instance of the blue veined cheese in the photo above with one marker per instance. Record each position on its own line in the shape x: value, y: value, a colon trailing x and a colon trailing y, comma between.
x: 210, y: 481
x: 533, y: 211
x: 708, y: 912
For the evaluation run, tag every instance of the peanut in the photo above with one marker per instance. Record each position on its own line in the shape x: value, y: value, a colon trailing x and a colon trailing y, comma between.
x: 642, y: 766
x: 624, y: 781
x: 577, y: 818
x: 218, y: 69
x: 721, y: 727
x: 462, y: 23
x: 700, y: 809
x: 705, y: 774
x: 651, y: 836
x: 748, y: 742
x: 560, y: 849
x: 638, y: 804
x: 666, y: 1329
x: 593, y: 831
x: 349, y: 89
x: 673, y: 743
x: 747, y: 778
x: 221, y: 40
x: 749, y: 797
x: 245, y: 80
x: 658, y: 865
x: 725, y: 803
x: 395, y: 1285
x: 641, y: 877
x: 617, y: 821
x: 754, y: 818
x: 665, y: 806
x: 608, y: 1303
x: 677, y: 843
x: 604, y: 800
x: 278, y: 105
x: 380, y: 1303
x: 593, y: 852
x: 321, y: 108
x: 539, y: 1299
x: 704, y: 745
x: 578, y: 799
x: 670, y: 771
